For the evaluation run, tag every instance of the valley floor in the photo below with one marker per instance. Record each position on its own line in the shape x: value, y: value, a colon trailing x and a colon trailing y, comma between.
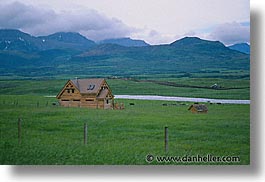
x: 54, y: 135
x: 51, y: 134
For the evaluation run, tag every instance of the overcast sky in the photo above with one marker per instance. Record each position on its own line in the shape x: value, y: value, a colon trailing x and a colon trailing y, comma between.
x: 155, y: 21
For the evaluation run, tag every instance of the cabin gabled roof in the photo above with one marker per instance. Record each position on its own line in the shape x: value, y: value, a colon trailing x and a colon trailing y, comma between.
x: 88, y: 86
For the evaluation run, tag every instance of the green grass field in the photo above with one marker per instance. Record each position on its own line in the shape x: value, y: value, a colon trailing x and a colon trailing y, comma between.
x: 54, y: 135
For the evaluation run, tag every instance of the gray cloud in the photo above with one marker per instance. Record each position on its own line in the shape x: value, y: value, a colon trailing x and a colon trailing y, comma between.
x: 18, y: 15
x: 40, y: 21
x: 231, y: 33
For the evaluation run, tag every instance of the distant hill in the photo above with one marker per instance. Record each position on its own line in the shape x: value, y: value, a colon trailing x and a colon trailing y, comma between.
x: 195, y: 43
x: 186, y: 55
x: 127, y: 42
x: 242, y: 47
x: 67, y: 40
x: 16, y: 40
x: 190, y: 48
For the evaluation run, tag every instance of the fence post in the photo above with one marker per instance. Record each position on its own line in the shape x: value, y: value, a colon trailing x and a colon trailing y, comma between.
x: 85, y: 133
x: 166, y: 139
x: 19, y: 130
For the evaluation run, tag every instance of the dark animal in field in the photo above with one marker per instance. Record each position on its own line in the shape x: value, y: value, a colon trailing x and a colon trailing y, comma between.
x: 54, y: 104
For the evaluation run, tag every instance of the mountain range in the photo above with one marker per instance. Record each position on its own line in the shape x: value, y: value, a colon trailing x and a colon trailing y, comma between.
x: 69, y: 54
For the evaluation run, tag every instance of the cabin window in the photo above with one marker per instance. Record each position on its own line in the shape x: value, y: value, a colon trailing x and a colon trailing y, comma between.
x: 89, y: 99
x: 65, y: 100
x: 90, y: 87
x: 68, y: 91
x: 73, y: 90
x: 107, y: 101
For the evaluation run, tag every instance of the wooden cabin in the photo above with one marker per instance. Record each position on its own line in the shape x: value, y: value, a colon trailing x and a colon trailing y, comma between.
x: 90, y: 93
x: 198, y: 108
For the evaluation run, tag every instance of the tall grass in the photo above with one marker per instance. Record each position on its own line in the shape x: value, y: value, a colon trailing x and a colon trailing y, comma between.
x: 54, y: 135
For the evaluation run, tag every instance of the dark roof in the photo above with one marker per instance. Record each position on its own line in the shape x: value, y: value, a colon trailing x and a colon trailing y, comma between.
x: 103, y: 94
x: 199, y: 107
x: 90, y: 86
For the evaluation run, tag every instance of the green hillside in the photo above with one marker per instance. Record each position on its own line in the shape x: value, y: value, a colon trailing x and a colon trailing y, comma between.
x: 69, y: 55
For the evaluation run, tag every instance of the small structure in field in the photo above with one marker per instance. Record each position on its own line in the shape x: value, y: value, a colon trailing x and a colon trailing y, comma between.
x: 91, y: 93
x: 198, y: 108
x: 119, y: 106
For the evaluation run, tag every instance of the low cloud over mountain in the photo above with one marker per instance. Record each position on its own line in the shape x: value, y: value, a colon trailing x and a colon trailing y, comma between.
x: 41, y: 21
x: 231, y: 33
x: 147, y: 24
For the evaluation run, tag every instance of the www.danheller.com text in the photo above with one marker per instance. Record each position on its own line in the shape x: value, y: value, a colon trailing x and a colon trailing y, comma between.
x: 193, y: 159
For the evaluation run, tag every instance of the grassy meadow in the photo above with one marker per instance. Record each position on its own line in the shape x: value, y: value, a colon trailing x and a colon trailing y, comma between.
x: 54, y: 135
